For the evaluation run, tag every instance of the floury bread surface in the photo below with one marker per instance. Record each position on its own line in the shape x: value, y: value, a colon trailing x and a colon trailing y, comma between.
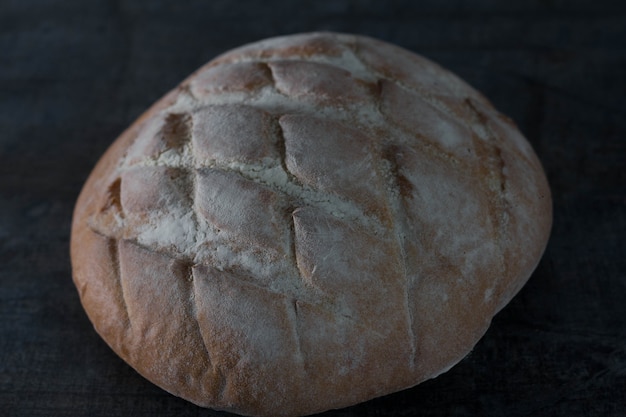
x: 306, y: 223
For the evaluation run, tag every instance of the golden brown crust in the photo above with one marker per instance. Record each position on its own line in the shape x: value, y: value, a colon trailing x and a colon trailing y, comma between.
x: 306, y: 223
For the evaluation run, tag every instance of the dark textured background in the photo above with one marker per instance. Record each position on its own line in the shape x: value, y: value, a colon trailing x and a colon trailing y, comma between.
x: 74, y: 74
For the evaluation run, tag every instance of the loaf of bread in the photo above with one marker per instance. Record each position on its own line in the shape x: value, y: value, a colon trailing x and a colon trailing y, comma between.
x: 306, y: 223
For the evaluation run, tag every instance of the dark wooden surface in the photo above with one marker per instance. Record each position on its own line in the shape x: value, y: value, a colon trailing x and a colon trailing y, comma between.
x: 74, y: 74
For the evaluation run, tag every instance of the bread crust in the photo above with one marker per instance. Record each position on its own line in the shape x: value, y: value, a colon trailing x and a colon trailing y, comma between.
x: 305, y: 223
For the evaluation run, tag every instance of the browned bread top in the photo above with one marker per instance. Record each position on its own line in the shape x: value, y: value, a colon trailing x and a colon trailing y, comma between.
x: 305, y: 223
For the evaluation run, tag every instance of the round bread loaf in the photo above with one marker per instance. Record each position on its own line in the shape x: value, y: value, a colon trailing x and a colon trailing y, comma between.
x: 306, y: 223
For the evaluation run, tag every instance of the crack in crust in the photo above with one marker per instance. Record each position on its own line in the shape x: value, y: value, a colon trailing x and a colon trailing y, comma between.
x: 114, y: 199
x: 177, y: 130
x: 401, y: 183
x: 293, y: 245
x: 194, y: 294
x: 281, y: 144
x: 496, y: 180
x: 114, y: 249
x: 403, y: 190
x: 296, y: 331
x: 494, y: 157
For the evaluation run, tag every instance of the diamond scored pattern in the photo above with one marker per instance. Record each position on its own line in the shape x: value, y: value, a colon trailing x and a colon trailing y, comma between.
x: 272, y: 213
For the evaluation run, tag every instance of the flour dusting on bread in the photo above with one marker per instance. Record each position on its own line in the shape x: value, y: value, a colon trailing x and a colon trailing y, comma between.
x: 305, y: 223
